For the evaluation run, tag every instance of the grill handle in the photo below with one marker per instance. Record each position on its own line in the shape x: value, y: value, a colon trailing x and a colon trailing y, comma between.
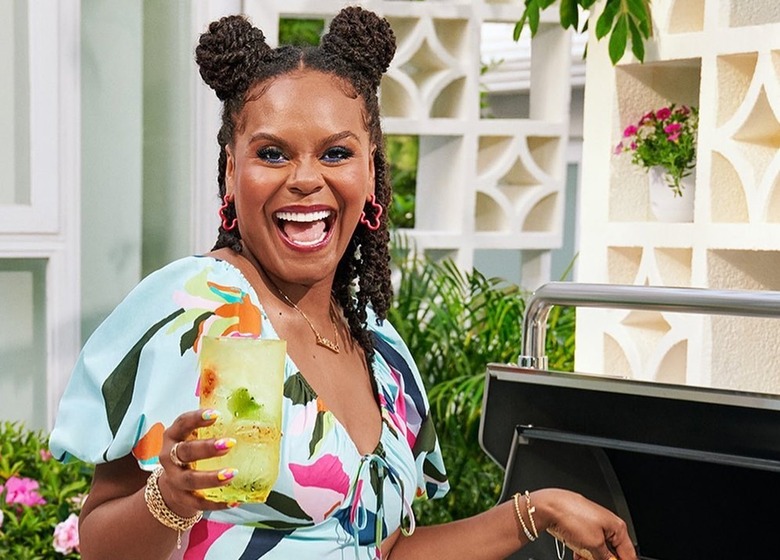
x: 648, y: 298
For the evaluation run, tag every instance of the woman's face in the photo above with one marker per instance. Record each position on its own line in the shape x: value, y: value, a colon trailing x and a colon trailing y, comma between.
x: 301, y: 168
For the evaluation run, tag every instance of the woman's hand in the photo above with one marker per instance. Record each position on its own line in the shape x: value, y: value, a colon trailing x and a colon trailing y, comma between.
x: 590, y: 530
x: 179, y: 484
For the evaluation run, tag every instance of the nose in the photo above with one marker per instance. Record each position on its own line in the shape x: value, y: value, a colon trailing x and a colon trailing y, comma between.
x: 306, y: 177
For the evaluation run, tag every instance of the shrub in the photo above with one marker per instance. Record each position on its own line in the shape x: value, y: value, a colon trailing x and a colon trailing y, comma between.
x: 38, y: 497
x: 455, y: 323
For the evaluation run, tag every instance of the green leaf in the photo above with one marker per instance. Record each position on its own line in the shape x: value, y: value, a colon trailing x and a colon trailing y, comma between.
x: 316, y: 435
x: 519, y: 27
x: 569, y: 14
x: 118, y: 387
x: 533, y: 17
x: 286, y: 505
x: 638, y: 9
x: 188, y: 338
x: 607, y: 17
x: 618, y: 39
x: 297, y: 390
x: 637, y: 44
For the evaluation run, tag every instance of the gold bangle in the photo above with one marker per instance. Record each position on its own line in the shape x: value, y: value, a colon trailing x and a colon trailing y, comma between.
x: 531, y: 510
x: 160, y: 510
x: 528, y: 535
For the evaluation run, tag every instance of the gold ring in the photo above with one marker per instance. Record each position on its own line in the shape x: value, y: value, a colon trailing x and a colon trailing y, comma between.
x: 175, y: 457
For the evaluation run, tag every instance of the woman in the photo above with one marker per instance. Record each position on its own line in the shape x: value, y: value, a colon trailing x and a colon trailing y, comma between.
x: 302, y: 255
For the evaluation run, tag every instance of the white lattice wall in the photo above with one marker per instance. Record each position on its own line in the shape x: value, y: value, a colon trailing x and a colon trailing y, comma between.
x: 723, y: 56
x: 482, y: 183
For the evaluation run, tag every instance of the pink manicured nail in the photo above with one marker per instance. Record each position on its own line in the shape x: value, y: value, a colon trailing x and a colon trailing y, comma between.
x: 209, y: 414
x: 227, y: 474
x: 224, y: 443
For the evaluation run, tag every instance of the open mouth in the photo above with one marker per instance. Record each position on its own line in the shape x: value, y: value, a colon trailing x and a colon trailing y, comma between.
x: 305, y: 229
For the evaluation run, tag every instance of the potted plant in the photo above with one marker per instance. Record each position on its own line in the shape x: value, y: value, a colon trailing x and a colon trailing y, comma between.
x: 663, y: 143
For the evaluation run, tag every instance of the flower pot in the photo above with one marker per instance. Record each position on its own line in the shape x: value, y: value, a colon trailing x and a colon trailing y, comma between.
x: 665, y: 204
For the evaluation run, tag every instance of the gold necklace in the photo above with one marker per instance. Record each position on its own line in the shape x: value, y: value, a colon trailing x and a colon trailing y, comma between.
x: 332, y: 345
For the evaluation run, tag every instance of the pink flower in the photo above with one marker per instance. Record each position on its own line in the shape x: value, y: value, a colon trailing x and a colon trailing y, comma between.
x: 672, y: 128
x: 647, y: 117
x: 673, y: 131
x: 629, y: 131
x: 66, y: 535
x: 618, y: 149
x: 22, y: 491
x: 663, y: 113
x: 45, y: 454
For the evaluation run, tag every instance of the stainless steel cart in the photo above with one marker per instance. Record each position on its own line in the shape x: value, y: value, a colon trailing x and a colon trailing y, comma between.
x: 695, y: 472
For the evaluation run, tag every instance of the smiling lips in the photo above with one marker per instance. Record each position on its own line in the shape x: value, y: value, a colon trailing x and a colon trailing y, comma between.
x: 304, y: 229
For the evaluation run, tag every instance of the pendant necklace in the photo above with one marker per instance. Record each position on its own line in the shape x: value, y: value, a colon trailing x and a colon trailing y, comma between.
x: 332, y: 345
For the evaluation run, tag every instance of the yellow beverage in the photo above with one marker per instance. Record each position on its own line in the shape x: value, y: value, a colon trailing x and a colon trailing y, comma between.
x: 243, y: 378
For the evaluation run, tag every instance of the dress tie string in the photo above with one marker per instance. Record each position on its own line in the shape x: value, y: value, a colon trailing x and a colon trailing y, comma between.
x: 358, y: 519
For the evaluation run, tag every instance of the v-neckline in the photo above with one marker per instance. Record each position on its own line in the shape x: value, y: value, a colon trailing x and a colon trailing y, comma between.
x: 373, y: 381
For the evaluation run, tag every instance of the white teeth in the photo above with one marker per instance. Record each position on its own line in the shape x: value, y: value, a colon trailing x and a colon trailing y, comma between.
x: 303, y: 216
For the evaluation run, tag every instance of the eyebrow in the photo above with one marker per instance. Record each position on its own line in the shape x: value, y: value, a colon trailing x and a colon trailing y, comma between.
x: 279, y: 141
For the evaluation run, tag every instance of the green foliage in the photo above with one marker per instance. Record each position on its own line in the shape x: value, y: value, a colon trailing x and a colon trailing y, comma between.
x: 402, y: 154
x: 665, y: 137
x: 455, y: 323
x: 621, y: 19
x: 300, y: 31
x: 26, y: 532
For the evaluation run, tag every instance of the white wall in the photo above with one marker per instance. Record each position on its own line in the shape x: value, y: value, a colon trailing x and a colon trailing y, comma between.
x: 721, y: 57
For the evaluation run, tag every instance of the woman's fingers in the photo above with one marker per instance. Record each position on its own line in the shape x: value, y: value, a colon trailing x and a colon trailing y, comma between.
x: 181, y: 493
x: 190, y: 451
x: 186, y: 424
x: 180, y: 483
x: 590, y: 530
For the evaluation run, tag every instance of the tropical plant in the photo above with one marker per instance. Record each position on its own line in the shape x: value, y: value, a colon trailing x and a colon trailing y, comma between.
x: 667, y: 138
x: 455, y: 323
x: 621, y: 19
x: 39, y: 497
x: 402, y: 155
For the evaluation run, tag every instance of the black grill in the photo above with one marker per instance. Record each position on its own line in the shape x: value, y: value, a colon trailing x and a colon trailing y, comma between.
x: 694, y: 472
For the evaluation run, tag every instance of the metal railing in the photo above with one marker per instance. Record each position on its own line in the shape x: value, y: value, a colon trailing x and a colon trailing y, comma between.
x: 648, y: 298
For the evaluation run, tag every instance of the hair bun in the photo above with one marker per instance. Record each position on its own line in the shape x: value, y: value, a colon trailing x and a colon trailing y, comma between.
x: 362, y: 39
x: 227, y: 54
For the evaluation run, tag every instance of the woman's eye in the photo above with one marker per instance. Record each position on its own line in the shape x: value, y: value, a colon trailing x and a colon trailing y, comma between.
x: 273, y: 155
x: 336, y: 154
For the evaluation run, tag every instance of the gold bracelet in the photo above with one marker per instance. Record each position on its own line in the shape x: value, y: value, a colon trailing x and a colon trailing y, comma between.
x: 516, y: 499
x: 531, y: 510
x: 160, y: 510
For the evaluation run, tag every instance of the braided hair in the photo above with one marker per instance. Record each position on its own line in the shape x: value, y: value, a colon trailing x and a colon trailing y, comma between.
x: 234, y: 59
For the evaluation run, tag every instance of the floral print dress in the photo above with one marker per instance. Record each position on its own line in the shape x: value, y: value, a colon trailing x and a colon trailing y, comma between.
x: 139, y: 371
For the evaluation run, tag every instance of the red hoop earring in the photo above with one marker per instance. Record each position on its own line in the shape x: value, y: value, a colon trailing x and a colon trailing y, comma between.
x: 378, y: 210
x: 226, y: 200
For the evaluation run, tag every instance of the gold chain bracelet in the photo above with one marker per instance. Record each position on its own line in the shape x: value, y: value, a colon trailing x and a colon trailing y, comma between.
x: 531, y: 510
x: 160, y: 510
x: 528, y: 534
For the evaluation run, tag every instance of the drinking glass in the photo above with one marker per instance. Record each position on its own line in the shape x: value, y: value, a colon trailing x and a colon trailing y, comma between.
x: 243, y: 379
